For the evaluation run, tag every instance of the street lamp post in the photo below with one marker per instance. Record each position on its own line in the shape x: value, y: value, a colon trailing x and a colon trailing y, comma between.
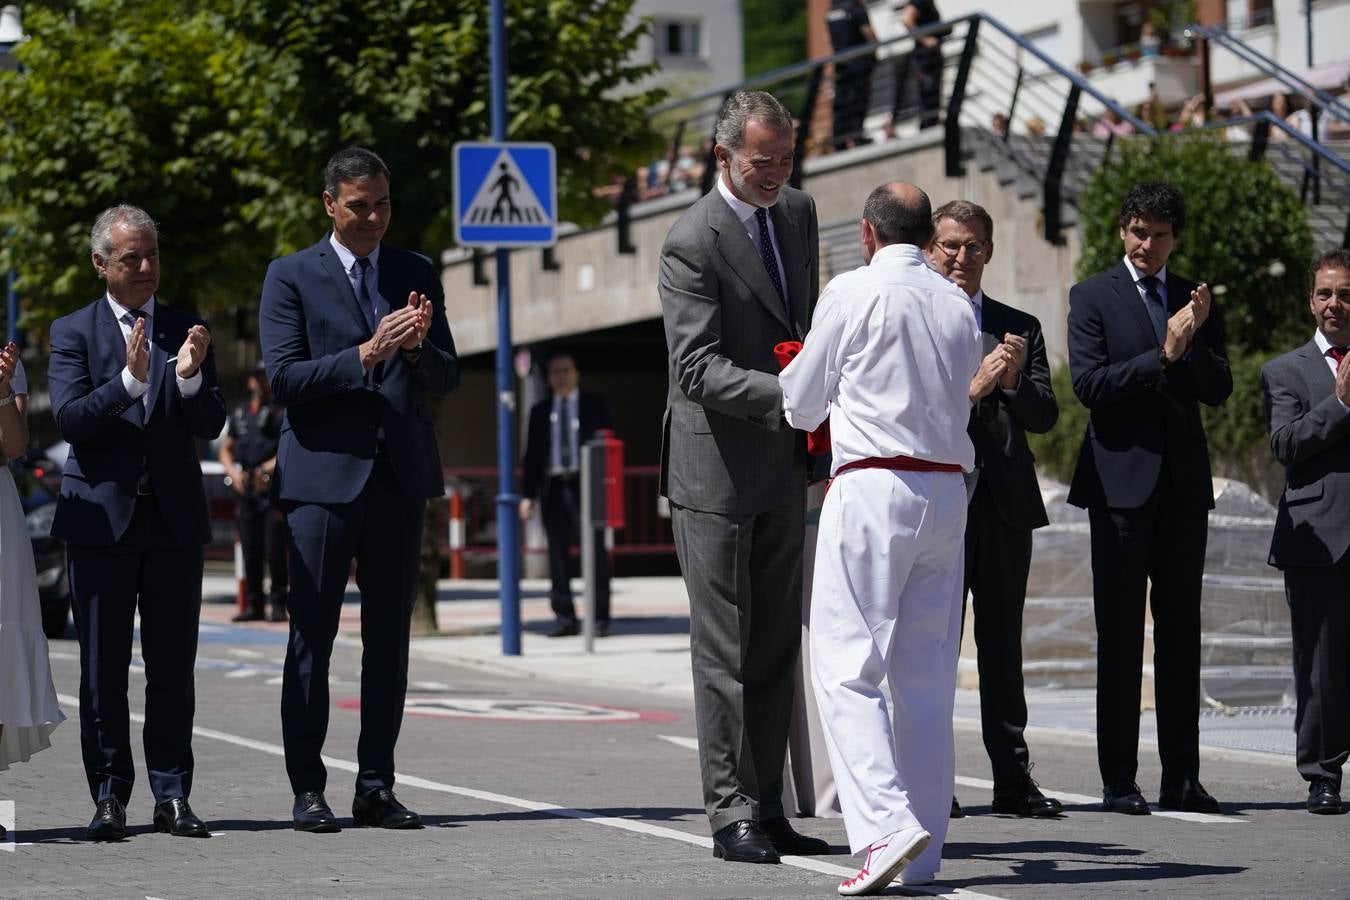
x: 11, y: 33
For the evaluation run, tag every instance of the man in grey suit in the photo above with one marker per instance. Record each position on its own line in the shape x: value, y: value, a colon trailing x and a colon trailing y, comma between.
x: 739, y: 274
x: 1307, y: 398
x: 1010, y: 395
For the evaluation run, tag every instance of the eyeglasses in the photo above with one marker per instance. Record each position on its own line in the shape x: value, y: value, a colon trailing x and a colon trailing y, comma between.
x: 974, y: 249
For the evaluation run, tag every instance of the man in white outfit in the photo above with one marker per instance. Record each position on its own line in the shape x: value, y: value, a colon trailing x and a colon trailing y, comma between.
x: 892, y: 348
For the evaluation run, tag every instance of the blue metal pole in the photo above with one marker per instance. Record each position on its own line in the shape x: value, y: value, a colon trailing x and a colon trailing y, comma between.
x: 508, y: 502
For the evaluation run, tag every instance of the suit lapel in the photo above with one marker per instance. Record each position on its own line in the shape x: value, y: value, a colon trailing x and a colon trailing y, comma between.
x: 328, y: 259
x: 787, y: 228
x: 1129, y: 295
x: 734, y: 243
x: 1318, y: 373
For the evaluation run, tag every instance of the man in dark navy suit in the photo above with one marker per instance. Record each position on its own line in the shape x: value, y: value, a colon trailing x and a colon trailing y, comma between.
x: 1010, y: 396
x: 552, y: 474
x: 133, y: 385
x: 355, y: 342
x: 1145, y: 349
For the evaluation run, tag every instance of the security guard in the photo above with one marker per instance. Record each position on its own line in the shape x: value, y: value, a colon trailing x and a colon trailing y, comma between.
x: 249, y: 454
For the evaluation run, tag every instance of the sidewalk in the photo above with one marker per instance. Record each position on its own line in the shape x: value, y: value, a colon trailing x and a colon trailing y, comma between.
x: 649, y: 651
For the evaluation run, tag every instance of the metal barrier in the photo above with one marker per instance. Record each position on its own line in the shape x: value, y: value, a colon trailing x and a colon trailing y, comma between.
x: 647, y: 532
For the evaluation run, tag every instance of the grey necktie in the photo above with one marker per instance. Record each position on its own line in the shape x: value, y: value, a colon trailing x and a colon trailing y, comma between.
x: 1157, y: 311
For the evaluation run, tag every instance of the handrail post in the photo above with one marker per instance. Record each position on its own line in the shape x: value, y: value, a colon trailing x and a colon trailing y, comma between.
x: 952, y: 140
x: 623, y: 225
x: 1054, y: 170
x: 1012, y: 104
x: 804, y: 127
x: 1260, y: 139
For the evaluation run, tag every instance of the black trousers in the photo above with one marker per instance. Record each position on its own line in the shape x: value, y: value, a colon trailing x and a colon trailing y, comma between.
x: 149, y: 571
x: 852, y: 91
x: 561, y: 510
x: 998, y: 560
x: 927, y: 63
x: 1319, y: 610
x: 1161, y: 542
x: 262, y: 535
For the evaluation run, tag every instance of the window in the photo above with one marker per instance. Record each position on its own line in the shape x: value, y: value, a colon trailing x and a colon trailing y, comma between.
x: 682, y: 38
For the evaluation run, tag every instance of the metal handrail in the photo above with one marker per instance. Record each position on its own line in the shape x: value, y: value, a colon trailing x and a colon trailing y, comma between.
x: 1271, y: 69
x: 1275, y: 121
x: 861, y: 50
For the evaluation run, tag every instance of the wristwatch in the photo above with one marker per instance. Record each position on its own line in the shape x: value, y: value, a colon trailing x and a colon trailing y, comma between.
x: 6, y: 401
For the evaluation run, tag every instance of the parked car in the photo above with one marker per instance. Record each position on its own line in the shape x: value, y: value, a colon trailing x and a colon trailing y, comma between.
x: 39, y: 506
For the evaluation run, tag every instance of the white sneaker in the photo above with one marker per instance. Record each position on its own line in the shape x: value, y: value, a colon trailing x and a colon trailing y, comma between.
x: 884, y: 861
x: 911, y: 877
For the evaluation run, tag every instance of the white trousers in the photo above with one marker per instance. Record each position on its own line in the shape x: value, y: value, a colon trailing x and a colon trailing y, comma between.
x: 886, y: 604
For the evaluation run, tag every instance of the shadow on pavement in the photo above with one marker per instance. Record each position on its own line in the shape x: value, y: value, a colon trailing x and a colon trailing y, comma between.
x: 1083, y: 871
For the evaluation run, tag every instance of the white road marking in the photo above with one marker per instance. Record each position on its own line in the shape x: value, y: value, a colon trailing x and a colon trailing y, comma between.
x: 241, y: 651
x: 274, y: 680
x: 1063, y: 796
x: 583, y: 815
x: 243, y: 673
x: 430, y: 686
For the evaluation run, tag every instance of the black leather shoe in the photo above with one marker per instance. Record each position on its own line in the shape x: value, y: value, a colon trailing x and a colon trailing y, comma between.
x: 602, y: 629
x: 177, y: 818
x: 109, y: 822
x: 743, y: 841
x: 786, y: 840
x: 1192, y: 797
x: 311, y: 813
x: 250, y: 615
x: 565, y: 629
x: 278, y: 614
x: 1026, y: 800
x: 1324, y: 798
x: 957, y: 811
x: 380, y: 809
x: 1125, y: 798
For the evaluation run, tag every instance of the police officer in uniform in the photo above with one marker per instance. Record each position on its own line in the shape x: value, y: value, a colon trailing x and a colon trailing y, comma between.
x: 249, y: 454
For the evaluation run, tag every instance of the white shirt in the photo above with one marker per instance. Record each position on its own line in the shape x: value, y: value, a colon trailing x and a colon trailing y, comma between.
x: 139, y: 390
x: 745, y: 212
x: 1323, y: 345
x: 889, y: 358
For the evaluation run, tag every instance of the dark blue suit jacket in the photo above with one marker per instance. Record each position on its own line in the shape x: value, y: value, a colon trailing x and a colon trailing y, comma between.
x: 310, y: 326
x: 109, y: 436
x: 592, y: 415
x: 1140, y: 413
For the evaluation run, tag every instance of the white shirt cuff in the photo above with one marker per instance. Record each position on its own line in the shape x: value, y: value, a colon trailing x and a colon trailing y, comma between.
x: 188, y: 387
x: 135, y: 387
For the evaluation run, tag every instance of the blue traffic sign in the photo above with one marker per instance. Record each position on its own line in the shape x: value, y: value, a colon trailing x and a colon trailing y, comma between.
x: 506, y: 194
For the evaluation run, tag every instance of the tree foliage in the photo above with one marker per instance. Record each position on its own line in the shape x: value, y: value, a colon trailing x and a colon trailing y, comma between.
x: 217, y: 117
x: 1246, y: 233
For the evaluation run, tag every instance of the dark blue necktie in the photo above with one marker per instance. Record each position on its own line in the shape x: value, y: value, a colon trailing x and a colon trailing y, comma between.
x: 363, y: 297
x: 1157, y: 312
x: 143, y: 480
x: 766, y: 255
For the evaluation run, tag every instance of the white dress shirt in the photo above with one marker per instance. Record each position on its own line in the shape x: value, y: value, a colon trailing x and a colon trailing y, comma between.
x: 1324, y: 346
x: 349, y: 265
x: 889, y: 358
x: 564, y: 424
x: 1161, y: 275
x: 139, y: 390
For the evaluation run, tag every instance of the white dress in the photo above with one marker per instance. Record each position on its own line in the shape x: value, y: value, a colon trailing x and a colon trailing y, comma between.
x: 28, y: 708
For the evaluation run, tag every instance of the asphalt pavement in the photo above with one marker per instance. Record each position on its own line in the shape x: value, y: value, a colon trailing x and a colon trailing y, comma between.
x: 561, y: 773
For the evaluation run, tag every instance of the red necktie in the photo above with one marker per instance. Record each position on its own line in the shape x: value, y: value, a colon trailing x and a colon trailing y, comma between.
x: 1338, y: 354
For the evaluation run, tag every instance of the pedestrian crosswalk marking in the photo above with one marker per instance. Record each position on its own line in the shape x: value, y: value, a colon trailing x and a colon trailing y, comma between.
x: 505, y: 197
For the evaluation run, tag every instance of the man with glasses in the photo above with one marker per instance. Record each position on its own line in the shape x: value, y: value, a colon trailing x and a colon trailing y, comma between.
x: 1010, y: 396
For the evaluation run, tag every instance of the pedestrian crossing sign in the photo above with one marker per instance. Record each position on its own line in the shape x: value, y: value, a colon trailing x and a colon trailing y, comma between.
x: 506, y: 195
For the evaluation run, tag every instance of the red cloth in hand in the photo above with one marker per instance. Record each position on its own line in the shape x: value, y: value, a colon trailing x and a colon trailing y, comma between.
x: 818, y: 441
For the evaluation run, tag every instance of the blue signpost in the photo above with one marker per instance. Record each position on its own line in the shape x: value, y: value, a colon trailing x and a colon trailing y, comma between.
x: 505, y: 196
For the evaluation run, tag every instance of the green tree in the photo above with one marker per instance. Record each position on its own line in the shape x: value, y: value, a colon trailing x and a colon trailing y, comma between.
x: 773, y: 34
x: 217, y: 117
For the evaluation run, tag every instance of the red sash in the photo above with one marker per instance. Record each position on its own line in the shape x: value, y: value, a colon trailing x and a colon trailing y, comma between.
x: 897, y: 464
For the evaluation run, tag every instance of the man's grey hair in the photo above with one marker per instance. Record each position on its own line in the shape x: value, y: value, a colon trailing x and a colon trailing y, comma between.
x: 743, y: 106
x: 963, y: 212
x: 100, y: 236
x: 352, y: 165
